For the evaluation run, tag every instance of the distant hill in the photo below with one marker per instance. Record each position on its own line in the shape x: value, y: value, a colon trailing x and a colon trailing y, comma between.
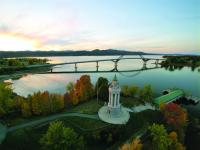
x: 96, y: 52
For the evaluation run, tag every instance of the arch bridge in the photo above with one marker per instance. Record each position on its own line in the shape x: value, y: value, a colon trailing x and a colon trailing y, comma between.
x: 114, y: 60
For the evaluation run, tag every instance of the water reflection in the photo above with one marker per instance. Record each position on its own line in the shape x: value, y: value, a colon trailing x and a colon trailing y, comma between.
x: 180, y: 67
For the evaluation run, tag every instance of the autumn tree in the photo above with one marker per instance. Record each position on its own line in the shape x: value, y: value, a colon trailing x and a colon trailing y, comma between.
x: 133, y: 90
x: 176, y: 117
x: 26, y: 109
x: 146, y: 94
x: 125, y: 91
x: 129, y: 91
x: 58, y: 137
x: 56, y: 102
x: 176, y: 145
x: 67, y: 101
x: 85, y: 88
x: 82, y: 90
x: 134, y: 145
x: 160, y: 138
x: 101, y: 88
x: 43, y: 103
x: 17, y: 102
x: 36, y: 103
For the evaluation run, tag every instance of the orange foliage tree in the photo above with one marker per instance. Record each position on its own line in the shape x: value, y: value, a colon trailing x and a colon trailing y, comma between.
x: 42, y: 103
x: 175, y: 115
x: 82, y: 91
x: 134, y: 145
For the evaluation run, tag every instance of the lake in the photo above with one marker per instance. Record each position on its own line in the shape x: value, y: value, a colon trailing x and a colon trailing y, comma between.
x: 158, y: 78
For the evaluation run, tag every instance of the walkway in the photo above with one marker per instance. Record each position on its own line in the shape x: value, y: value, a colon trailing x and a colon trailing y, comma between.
x: 51, y: 118
x: 140, y: 108
x: 4, y: 130
x: 121, y: 117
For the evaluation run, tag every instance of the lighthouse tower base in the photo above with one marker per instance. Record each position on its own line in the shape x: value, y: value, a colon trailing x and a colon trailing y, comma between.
x: 114, y: 116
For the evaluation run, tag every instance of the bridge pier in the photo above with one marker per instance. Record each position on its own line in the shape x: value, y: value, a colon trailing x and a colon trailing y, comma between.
x: 75, y: 67
x: 115, y: 65
x: 97, y: 66
x: 144, y: 66
x: 145, y: 60
x: 157, y: 62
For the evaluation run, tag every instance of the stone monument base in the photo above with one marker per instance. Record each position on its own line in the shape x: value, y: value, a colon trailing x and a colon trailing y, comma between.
x: 108, y: 116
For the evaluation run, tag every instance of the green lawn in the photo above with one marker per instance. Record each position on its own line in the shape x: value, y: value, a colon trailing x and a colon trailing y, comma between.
x: 90, y: 107
x: 85, y: 124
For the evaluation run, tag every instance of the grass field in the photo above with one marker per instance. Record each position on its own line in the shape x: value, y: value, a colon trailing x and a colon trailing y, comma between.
x: 85, y: 124
x: 90, y: 107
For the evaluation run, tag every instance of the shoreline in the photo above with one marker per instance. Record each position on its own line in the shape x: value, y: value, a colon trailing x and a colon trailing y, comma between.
x: 28, y: 70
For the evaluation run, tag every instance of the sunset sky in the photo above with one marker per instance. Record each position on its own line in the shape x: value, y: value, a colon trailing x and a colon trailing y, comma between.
x: 165, y: 26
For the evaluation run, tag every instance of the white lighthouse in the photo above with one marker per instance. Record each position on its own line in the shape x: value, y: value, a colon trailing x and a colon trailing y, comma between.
x: 114, y: 112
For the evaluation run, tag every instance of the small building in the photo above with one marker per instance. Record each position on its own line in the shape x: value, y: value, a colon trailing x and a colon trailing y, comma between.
x: 168, y: 98
x: 114, y: 112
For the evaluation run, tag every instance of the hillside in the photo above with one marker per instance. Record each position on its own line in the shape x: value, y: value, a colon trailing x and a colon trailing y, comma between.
x: 96, y: 52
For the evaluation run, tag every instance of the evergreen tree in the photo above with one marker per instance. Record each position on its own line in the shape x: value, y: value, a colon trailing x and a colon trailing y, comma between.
x: 101, y: 88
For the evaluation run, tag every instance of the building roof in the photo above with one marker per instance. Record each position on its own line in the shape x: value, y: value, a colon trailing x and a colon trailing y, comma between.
x: 115, y: 78
x: 168, y: 97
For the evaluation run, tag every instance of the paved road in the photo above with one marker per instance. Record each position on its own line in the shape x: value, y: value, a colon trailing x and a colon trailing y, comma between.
x: 4, y: 130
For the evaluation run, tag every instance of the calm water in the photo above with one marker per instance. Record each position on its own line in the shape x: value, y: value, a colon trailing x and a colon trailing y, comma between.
x: 159, y: 78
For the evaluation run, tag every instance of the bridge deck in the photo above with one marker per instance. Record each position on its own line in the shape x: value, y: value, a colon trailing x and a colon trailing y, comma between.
x: 99, y: 71
x: 101, y: 60
x: 89, y: 61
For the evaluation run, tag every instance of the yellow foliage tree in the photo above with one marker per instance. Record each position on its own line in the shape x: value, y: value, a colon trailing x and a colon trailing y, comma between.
x: 134, y: 145
x: 175, y: 144
x: 26, y: 109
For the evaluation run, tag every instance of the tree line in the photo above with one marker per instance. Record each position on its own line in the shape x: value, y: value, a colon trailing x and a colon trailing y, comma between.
x: 43, y: 103
x: 8, y: 66
x: 178, y: 62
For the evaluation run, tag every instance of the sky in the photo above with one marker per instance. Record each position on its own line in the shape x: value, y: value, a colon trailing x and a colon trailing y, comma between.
x: 159, y: 26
